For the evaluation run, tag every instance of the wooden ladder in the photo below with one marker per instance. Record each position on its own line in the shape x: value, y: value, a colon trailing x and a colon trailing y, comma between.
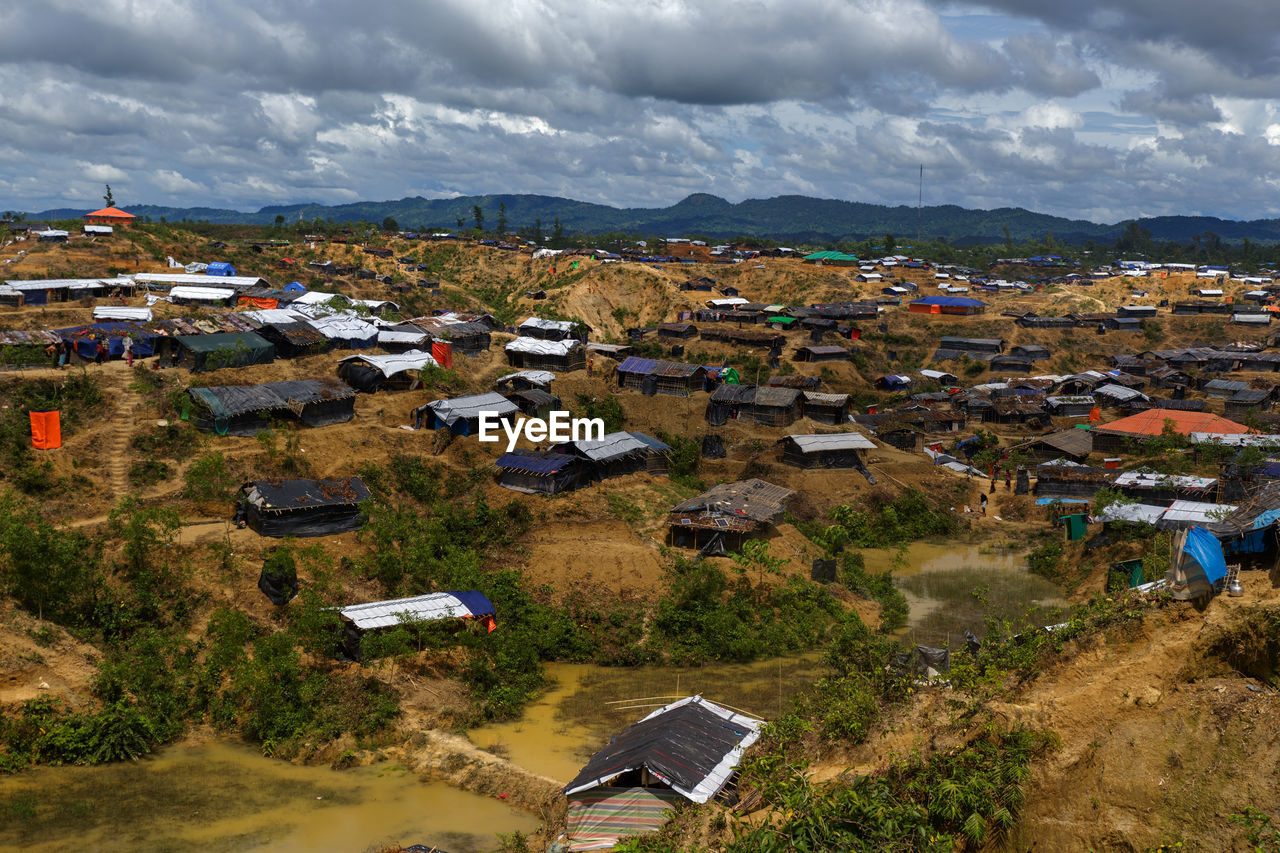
x: 1233, y: 575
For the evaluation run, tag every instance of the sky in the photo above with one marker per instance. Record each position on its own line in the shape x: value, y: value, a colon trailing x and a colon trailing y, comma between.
x: 1086, y: 109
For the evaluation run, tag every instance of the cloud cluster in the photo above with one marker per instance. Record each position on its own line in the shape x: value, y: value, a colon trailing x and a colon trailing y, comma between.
x: 1086, y: 109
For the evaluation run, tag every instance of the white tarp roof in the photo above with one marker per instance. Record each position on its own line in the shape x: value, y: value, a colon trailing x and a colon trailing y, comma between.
x: 1188, y: 513
x: 613, y: 444
x: 1140, y: 513
x: 422, y: 608
x: 315, y: 297
x: 376, y: 303
x: 1233, y: 440
x: 537, y: 377
x: 841, y: 441
x: 727, y: 302
x: 390, y: 365
x: 208, y: 294
x: 392, y: 336
x: 538, y: 346
x: 465, y: 408
x: 267, y: 316
x: 238, y: 282
x: 67, y: 283
x: 1119, y: 392
x: 343, y: 328
x: 1150, y: 480
x: 99, y: 229
x: 115, y: 312
x: 549, y: 325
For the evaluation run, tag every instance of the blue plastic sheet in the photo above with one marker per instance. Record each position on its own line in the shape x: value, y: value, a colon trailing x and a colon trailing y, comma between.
x: 1205, y: 548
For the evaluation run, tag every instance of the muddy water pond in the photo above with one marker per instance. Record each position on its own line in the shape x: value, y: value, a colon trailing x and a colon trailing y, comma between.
x: 558, y: 733
x: 952, y: 586
x: 227, y: 797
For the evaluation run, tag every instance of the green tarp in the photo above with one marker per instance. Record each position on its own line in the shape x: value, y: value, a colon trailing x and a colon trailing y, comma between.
x: 225, y: 349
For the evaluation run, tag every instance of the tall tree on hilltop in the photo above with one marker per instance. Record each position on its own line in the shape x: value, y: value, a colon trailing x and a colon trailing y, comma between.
x: 478, y: 215
x: 502, y: 218
x: 109, y: 198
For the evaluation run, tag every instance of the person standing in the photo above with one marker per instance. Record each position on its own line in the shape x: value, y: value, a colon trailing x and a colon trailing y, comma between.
x: 128, y: 350
x: 590, y: 364
x: 62, y: 354
x: 101, y: 355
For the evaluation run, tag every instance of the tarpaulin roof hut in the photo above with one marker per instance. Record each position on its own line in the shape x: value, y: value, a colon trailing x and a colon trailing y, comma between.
x: 613, y: 455
x: 294, y: 338
x: 461, y: 415
x: 841, y: 450
x: 734, y: 512
x: 541, y: 473
x: 821, y: 353
x: 687, y: 750
x: 554, y: 330
x: 537, y: 354
x: 249, y: 409
x: 303, y: 507
x: 691, y: 746
x: 760, y: 404
x: 360, y: 619
x: 225, y: 349
x: 825, y: 408
x: 372, y: 373
x: 1198, y: 563
x: 660, y: 377
x: 946, y: 305
x: 85, y: 339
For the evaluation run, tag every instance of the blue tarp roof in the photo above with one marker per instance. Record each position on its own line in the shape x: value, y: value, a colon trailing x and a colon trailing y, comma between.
x: 1205, y: 548
x: 542, y: 463
x: 654, y: 444
x: 953, y: 301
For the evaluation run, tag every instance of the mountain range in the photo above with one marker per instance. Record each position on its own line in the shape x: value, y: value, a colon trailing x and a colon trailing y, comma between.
x: 799, y: 219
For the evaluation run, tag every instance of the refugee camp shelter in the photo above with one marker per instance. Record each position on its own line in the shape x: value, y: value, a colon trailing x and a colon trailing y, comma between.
x: 303, y: 507
x: 553, y: 330
x: 658, y: 460
x: 1113, y: 437
x: 652, y: 376
x: 1198, y: 564
x: 842, y: 450
x: 815, y: 352
x: 727, y: 515
x: 534, y: 472
x: 614, y: 455
x: 946, y: 305
x: 371, y: 373
x: 248, y: 409
x: 686, y: 751
x: 359, y: 619
x: 764, y: 404
x: 294, y: 338
x: 461, y: 415
x: 537, y: 354
x: 1073, y: 444
x: 825, y: 408
x: 534, y: 402
x: 224, y: 349
x: 525, y: 380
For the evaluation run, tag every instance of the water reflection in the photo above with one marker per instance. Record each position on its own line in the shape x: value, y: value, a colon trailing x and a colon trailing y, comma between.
x: 951, y: 587
x: 224, y: 797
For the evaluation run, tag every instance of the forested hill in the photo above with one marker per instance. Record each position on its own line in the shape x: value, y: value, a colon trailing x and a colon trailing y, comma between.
x: 784, y: 218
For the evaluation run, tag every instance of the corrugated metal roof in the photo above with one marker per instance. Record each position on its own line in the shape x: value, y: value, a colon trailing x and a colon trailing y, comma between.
x: 535, y: 463
x: 465, y: 408
x: 657, y: 367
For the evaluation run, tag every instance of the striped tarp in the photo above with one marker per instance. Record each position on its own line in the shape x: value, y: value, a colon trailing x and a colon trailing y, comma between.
x: 601, y: 816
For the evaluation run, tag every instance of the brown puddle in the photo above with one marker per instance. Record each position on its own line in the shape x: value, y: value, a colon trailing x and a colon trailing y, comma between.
x: 952, y: 586
x: 226, y: 797
x: 558, y: 733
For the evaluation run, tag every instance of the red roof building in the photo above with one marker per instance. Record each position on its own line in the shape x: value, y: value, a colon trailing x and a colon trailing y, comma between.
x: 1150, y: 424
x: 109, y: 216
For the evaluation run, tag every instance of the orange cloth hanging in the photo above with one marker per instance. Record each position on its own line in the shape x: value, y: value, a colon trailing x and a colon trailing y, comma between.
x: 46, y: 430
